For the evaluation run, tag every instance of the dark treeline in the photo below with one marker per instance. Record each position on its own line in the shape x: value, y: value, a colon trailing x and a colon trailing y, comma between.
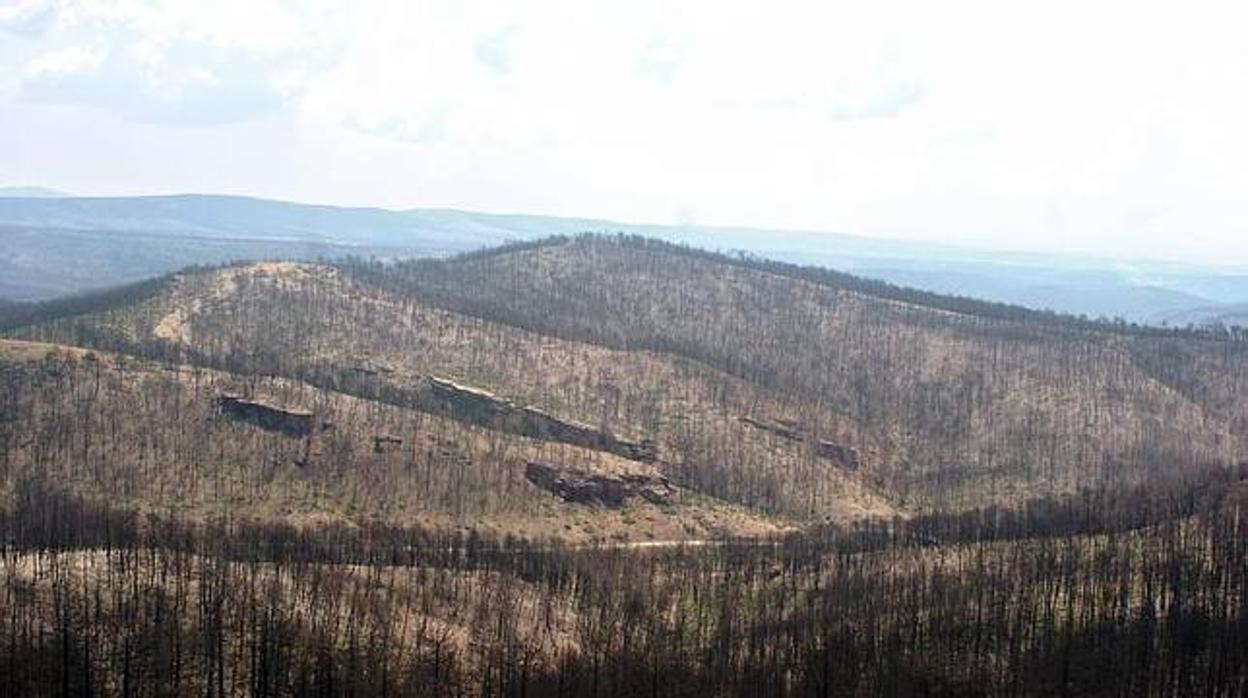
x: 45, y: 517
x: 98, y: 601
x: 15, y: 315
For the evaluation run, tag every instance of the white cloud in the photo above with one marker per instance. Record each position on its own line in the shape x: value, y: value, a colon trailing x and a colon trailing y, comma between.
x: 1110, y: 126
x: 169, y: 61
x: 70, y: 60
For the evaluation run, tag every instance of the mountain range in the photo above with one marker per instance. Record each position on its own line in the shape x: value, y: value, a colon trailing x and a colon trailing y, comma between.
x: 56, y: 244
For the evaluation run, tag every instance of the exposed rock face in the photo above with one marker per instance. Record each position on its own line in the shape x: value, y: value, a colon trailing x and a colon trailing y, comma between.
x: 384, y: 443
x: 370, y: 369
x: 784, y: 429
x: 297, y: 423
x: 486, y: 409
x: 844, y: 456
x: 581, y: 487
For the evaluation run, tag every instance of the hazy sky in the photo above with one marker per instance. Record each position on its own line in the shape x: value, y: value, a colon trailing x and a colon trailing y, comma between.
x: 1111, y: 127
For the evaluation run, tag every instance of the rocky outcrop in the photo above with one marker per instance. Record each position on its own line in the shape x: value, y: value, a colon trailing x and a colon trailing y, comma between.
x: 384, y: 443
x: 582, y: 487
x: 485, y: 409
x: 296, y: 423
x: 782, y: 428
x: 844, y: 456
x: 370, y: 369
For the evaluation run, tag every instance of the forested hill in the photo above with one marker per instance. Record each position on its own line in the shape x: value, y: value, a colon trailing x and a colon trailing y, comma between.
x: 413, y: 274
x: 789, y: 391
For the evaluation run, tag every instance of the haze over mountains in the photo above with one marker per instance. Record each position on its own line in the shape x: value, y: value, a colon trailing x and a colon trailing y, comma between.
x: 57, y: 244
x: 31, y: 193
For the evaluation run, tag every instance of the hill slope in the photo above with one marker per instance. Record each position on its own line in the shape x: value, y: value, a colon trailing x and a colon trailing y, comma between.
x: 175, y: 442
x: 791, y: 393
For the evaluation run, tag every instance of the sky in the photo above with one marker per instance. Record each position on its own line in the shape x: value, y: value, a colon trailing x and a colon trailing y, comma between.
x: 1114, y: 128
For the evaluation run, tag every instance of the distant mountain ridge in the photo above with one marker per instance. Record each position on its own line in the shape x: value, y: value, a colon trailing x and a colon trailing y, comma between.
x: 57, y: 244
x: 32, y: 193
